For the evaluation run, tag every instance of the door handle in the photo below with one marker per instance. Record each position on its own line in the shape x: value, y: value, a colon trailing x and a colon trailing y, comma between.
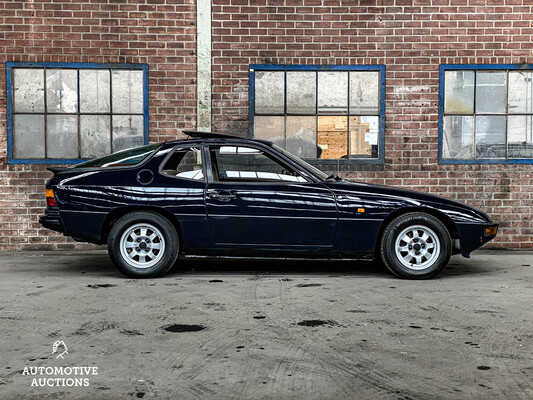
x: 223, y: 195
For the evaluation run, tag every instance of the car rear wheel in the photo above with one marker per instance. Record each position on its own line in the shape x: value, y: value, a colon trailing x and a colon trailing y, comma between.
x: 416, y: 246
x: 143, y: 244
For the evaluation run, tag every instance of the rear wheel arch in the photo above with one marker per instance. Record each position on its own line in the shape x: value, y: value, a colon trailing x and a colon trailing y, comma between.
x: 118, y: 213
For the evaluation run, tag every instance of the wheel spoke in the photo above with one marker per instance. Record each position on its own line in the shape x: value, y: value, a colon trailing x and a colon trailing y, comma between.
x: 130, y: 245
x: 408, y: 258
x: 152, y: 236
x: 134, y: 236
x: 418, y: 259
x: 156, y: 246
x: 405, y: 238
x: 403, y: 248
x: 143, y: 232
x: 132, y: 254
x: 150, y: 255
x: 142, y: 259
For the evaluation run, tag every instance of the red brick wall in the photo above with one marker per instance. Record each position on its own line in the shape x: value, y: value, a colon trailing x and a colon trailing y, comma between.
x: 411, y: 37
x: 158, y: 32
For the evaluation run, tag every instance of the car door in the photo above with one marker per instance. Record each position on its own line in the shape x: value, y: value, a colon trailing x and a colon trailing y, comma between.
x: 255, y: 198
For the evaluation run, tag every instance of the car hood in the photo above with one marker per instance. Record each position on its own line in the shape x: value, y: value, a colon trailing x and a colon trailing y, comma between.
x: 409, y: 198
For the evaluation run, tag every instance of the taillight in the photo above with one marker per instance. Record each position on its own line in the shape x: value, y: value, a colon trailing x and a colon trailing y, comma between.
x: 50, y: 198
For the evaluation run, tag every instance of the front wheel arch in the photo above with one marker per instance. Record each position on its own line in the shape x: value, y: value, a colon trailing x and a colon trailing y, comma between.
x: 442, y: 217
x: 415, y: 245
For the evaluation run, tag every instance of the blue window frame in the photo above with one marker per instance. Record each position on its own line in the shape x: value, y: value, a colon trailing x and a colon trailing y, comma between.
x: 324, y: 114
x: 486, y: 114
x: 65, y: 113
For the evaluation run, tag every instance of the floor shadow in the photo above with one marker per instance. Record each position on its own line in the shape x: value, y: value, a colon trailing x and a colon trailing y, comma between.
x: 99, y: 264
x: 285, y: 267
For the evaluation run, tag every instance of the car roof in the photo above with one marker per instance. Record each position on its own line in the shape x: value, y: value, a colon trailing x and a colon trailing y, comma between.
x: 216, y: 137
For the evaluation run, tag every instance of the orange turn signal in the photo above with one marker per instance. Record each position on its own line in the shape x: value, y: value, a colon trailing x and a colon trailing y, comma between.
x: 50, y: 198
x: 360, y: 210
x: 491, y: 230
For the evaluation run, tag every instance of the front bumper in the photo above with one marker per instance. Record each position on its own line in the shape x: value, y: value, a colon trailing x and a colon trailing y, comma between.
x: 52, y: 220
x: 473, y: 236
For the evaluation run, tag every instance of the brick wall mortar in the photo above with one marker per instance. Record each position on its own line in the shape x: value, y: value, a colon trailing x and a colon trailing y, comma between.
x: 411, y: 37
x: 161, y: 33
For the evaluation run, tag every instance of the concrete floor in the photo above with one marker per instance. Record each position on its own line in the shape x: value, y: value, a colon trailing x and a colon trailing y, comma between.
x: 272, y: 330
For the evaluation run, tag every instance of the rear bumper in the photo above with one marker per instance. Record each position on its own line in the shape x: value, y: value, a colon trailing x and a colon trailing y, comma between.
x: 473, y: 236
x: 52, y: 220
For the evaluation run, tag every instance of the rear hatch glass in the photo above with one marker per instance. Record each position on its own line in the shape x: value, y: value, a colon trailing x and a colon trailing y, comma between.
x: 122, y: 158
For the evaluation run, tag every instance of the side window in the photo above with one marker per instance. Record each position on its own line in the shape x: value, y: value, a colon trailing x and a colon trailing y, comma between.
x: 247, y: 164
x: 185, y: 163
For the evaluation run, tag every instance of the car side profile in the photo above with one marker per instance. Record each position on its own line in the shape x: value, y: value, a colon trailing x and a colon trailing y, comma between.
x: 223, y: 196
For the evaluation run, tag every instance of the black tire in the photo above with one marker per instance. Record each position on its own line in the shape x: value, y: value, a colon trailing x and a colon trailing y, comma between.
x: 415, y: 246
x: 137, y: 260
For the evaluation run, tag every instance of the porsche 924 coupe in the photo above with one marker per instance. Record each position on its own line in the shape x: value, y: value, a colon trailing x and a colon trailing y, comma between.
x: 223, y: 196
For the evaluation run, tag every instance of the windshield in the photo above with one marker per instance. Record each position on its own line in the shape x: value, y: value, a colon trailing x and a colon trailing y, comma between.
x: 120, y: 159
x: 315, y: 171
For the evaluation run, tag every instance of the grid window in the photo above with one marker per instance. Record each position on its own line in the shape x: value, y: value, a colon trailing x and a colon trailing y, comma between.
x: 320, y: 112
x: 486, y: 114
x: 60, y: 113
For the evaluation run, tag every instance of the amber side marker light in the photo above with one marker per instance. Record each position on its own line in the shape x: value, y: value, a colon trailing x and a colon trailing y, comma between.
x: 50, y: 198
x: 491, y: 230
x: 360, y: 210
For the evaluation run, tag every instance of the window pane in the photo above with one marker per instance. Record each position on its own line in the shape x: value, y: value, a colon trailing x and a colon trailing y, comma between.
x: 459, y: 92
x: 28, y: 90
x: 520, y: 92
x: 28, y: 136
x: 301, y: 92
x: 95, y: 135
x: 269, y: 92
x: 458, y: 141
x: 491, y: 92
x: 61, y: 90
x: 332, y: 137
x: 301, y: 136
x: 185, y: 163
x: 94, y: 91
x: 490, y: 136
x: 62, y: 136
x: 364, y: 136
x: 333, y: 92
x: 127, y: 91
x: 126, y: 157
x: 249, y: 164
x: 520, y: 136
x: 128, y: 131
x: 364, y: 92
x: 270, y: 128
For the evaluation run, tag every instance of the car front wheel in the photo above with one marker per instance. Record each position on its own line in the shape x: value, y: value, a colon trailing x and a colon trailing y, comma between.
x: 416, y: 246
x: 143, y: 244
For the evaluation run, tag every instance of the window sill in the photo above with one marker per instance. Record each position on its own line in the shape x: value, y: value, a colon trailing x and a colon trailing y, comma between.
x: 451, y: 161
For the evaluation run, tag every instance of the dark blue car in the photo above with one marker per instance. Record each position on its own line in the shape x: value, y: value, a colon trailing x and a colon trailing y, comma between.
x: 217, y: 195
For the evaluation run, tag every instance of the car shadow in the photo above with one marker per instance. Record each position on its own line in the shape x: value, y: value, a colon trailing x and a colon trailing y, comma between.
x: 278, y: 267
x: 98, y: 264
